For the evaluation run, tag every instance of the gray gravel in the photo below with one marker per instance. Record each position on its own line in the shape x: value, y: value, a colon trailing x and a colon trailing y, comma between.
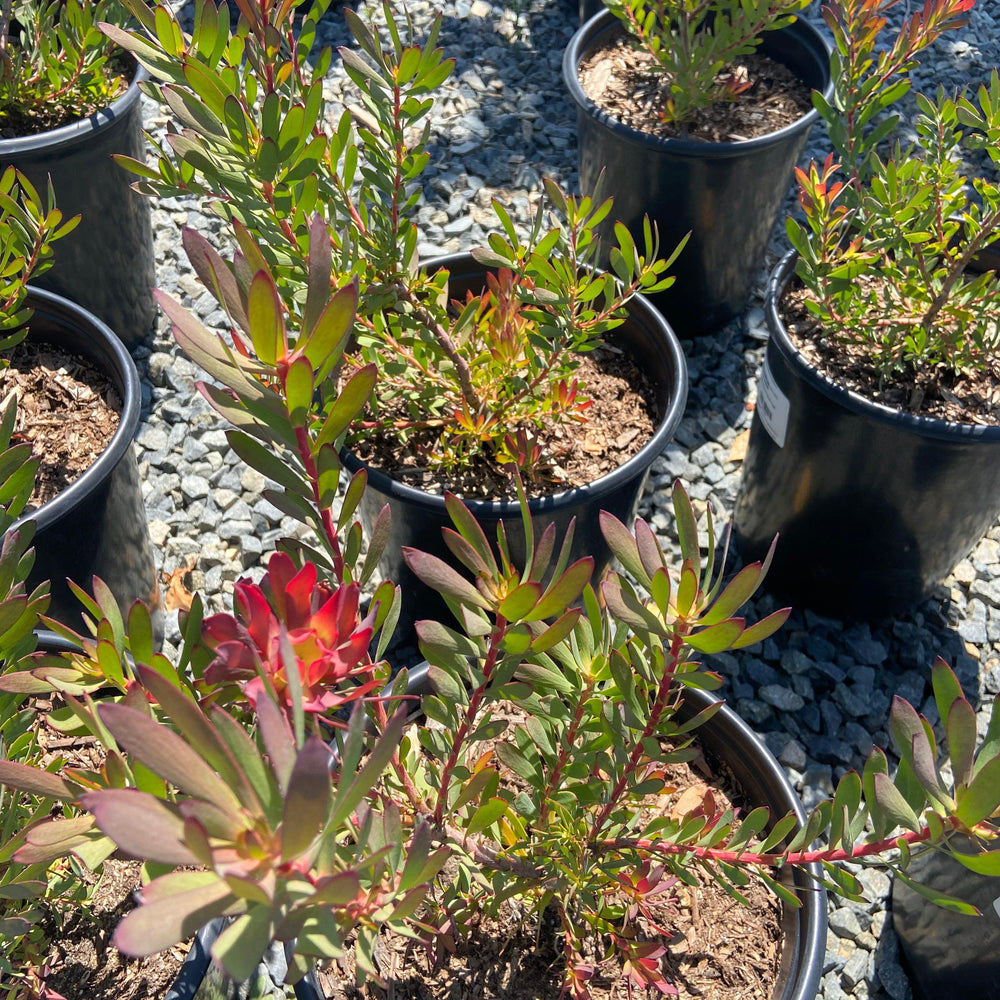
x: 819, y: 691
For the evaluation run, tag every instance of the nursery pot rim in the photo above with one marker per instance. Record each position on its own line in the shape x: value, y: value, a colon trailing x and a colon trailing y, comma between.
x: 603, y: 21
x: 75, y: 132
x: 934, y: 428
x: 595, y: 490
x: 123, y: 370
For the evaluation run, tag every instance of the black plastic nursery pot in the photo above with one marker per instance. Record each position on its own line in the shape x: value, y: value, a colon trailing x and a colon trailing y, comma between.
x: 418, y: 517
x: 725, y: 739
x: 97, y: 525
x: 873, y: 506
x: 106, y: 264
x: 726, y: 194
x: 949, y: 954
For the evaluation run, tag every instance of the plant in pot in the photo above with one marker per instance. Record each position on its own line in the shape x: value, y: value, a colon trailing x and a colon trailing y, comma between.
x: 540, y: 784
x: 478, y: 374
x: 874, y: 442
x: 69, y: 99
x: 64, y: 364
x: 27, y: 891
x: 695, y: 113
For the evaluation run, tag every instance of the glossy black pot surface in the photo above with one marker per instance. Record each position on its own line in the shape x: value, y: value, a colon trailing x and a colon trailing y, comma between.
x: 726, y: 194
x: 106, y: 264
x: 949, y: 954
x: 97, y: 525
x: 418, y: 517
x: 874, y: 506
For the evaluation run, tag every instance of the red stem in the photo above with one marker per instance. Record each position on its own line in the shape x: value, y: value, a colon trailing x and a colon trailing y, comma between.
x: 773, y: 859
x: 638, y: 751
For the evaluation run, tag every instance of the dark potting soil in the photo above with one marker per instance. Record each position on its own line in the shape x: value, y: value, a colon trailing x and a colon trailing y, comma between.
x: 66, y: 409
x: 971, y: 396
x: 624, y: 81
x: 618, y: 424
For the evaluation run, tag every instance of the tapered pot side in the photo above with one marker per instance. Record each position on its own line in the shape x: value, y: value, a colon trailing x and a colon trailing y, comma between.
x: 106, y: 264
x: 418, y: 517
x: 874, y: 506
x: 97, y: 525
x: 726, y: 194
x: 946, y: 953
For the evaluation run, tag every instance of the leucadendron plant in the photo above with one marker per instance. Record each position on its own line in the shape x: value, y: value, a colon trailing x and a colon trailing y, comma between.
x: 28, y: 228
x: 892, y: 228
x: 273, y: 774
x: 28, y: 888
x: 462, y: 381
x: 694, y: 44
x: 56, y: 66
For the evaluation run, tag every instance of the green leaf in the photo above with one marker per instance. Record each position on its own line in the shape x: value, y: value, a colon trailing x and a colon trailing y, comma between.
x: 564, y: 591
x: 486, y: 815
x: 299, y: 388
x: 469, y: 529
x: 267, y: 324
x: 982, y: 798
x: 140, y: 824
x: 266, y: 462
x: 446, y: 685
x: 166, y: 754
x: 960, y: 730
x: 439, y: 576
x: 889, y: 801
x: 518, y: 604
x: 307, y: 800
x: 716, y: 638
x: 240, y: 947
x: 325, y: 342
x: 170, y: 917
x: 348, y: 405
x: 623, y: 546
x: 941, y: 899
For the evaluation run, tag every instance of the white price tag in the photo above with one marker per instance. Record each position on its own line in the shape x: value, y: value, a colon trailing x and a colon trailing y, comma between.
x: 772, y: 405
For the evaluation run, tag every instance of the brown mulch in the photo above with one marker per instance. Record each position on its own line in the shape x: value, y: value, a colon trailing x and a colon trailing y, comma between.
x: 621, y: 420
x: 624, y: 81
x: 719, y: 949
x: 968, y: 397
x: 66, y: 409
x: 85, y: 964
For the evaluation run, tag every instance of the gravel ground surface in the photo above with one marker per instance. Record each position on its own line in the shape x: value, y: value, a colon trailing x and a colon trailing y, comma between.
x: 819, y: 691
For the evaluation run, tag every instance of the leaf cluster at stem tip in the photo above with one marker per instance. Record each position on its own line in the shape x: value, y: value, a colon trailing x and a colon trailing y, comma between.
x: 888, y: 250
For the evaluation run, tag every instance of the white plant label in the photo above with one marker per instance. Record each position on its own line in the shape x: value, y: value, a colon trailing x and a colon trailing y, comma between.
x: 772, y: 405
x: 996, y: 905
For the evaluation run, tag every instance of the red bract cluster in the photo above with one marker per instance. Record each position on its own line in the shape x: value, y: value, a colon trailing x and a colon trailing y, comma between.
x: 292, y: 617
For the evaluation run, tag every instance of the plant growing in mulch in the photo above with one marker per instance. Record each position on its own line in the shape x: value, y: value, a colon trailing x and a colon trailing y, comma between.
x: 463, y: 381
x: 220, y: 780
x: 694, y: 45
x: 55, y: 64
x: 892, y: 229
